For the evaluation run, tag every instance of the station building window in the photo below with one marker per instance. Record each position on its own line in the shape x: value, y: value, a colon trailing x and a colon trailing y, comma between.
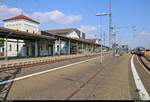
x: 41, y: 47
x: 10, y: 47
x: 57, y: 48
x: 3, y: 49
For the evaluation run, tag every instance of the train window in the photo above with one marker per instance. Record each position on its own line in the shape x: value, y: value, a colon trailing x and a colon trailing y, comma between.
x: 141, y: 49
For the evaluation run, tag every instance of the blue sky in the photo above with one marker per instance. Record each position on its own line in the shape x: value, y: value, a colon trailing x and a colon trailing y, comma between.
x: 81, y: 14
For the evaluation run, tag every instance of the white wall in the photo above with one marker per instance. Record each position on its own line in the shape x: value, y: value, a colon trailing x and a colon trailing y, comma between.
x: 98, y: 41
x: 63, y: 47
x: 22, y: 48
x: 73, y: 35
x: 82, y: 35
x: 12, y: 47
x: 22, y: 25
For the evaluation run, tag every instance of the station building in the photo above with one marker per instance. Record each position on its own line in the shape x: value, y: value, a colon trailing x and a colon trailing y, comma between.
x: 20, y: 37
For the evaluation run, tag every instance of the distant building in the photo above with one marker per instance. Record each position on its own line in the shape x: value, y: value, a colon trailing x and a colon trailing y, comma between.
x: 17, y: 47
x: 95, y: 41
x: 20, y: 37
x: 69, y: 32
x: 22, y: 23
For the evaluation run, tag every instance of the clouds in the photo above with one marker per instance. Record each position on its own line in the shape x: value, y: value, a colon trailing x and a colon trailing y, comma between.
x: 141, y: 39
x: 56, y: 16
x: 88, y: 28
x: 145, y: 34
x: 6, y: 12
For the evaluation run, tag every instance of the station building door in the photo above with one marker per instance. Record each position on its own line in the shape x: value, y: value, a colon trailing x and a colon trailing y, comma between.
x: 50, y: 49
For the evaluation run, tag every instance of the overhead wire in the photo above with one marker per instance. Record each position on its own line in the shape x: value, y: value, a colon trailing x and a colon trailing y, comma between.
x: 41, y: 4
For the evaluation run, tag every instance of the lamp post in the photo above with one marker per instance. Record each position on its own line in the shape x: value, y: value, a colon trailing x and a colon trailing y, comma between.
x: 6, y: 45
x: 101, y: 14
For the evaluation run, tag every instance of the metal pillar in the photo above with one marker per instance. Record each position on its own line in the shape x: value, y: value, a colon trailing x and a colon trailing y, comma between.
x: 110, y: 23
x: 59, y: 47
x: 92, y: 48
x: 82, y: 48
x: 36, y: 48
x: 17, y: 48
x: 104, y: 39
x: 69, y: 47
x: 86, y: 47
x: 89, y: 47
x: 48, y: 48
x: 39, y: 52
x: 6, y: 50
x: 53, y: 48
x: 77, y: 46
x: 6, y: 58
x: 101, y: 60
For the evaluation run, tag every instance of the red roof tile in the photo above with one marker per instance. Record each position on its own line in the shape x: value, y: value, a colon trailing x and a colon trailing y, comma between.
x: 21, y: 17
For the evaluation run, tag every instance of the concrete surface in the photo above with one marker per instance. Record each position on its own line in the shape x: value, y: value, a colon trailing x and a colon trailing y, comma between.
x: 88, y: 81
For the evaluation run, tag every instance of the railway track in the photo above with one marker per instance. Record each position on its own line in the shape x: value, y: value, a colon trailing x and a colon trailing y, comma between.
x: 29, y: 64
x: 147, y: 58
x: 145, y: 62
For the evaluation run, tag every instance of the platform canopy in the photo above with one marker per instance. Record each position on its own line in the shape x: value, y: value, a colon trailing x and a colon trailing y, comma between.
x: 22, y: 35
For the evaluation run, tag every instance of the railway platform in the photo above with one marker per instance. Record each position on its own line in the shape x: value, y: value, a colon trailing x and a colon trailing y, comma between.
x: 27, y: 62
